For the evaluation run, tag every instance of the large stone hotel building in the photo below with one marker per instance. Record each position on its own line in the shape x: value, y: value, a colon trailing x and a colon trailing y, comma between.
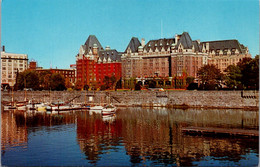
x: 164, y: 61
x: 178, y: 57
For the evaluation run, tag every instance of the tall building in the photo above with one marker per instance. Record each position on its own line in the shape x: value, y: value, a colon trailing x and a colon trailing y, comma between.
x: 85, y: 59
x: 12, y: 63
x: 177, y: 57
x: 109, y: 64
x: 93, y: 63
x: 131, y: 60
x: 164, y: 59
x: 187, y: 56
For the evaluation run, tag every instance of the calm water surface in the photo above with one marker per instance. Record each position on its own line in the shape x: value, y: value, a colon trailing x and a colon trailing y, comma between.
x: 134, y: 136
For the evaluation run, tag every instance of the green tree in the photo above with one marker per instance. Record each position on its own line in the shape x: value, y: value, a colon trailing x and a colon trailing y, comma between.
x: 28, y: 79
x: 250, y: 72
x: 210, y: 76
x: 44, y: 80
x: 233, y: 77
x: 57, y: 82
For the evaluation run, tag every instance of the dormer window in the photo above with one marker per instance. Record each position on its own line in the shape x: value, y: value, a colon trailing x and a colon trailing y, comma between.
x: 155, y: 44
x: 217, y: 52
x: 225, y: 52
x: 233, y: 51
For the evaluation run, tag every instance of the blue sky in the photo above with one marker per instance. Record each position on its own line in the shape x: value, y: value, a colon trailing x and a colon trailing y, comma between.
x: 51, y: 31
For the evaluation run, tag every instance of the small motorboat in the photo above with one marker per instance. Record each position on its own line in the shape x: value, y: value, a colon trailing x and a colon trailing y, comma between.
x: 108, y: 110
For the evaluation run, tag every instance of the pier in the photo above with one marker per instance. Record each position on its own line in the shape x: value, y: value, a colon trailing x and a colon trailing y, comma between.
x: 212, y: 131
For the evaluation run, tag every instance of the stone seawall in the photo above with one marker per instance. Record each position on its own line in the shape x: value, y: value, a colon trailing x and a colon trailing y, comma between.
x: 199, y: 99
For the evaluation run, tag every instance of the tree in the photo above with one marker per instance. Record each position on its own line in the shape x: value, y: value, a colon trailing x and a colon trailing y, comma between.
x: 210, y: 77
x: 86, y: 87
x: 44, y: 80
x: 250, y: 72
x: 189, y: 80
x: 78, y: 85
x: 68, y: 84
x: 57, y: 82
x: 113, y: 81
x: 28, y: 79
x: 137, y: 86
x: 233, y: 77
x: 118, y: 84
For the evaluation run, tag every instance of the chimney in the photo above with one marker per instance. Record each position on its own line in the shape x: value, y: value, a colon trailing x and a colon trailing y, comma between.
x: 143, y: 42
x: 207, y: 46
x: 107, y: 48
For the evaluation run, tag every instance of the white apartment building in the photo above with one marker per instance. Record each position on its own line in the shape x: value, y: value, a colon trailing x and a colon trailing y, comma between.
x: 10, y: 64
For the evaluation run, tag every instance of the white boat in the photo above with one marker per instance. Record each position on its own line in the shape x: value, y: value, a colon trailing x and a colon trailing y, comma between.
x: 108, y: 118
x: 22, y: 107
x: 96, y: 108
x: 58, y: 108
x: 9, y: 107
x: 109, y: 109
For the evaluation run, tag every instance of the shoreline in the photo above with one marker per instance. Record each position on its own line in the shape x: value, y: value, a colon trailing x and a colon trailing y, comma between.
x: 248, y: 100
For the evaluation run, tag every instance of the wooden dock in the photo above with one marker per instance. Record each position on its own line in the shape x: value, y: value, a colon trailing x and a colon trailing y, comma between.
x: 212, y: 131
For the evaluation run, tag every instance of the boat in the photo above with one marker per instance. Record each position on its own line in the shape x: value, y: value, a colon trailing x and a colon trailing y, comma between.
x: 108, y: 118
x: 108, y: 110
x: 96, y: 108
x: 9, y: 107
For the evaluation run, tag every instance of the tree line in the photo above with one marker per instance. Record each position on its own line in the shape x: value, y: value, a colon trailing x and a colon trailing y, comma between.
x: 244, y: 75
x: 40, y: 81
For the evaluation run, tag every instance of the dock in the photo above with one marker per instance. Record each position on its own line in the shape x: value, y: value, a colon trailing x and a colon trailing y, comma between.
x: 212, y: 131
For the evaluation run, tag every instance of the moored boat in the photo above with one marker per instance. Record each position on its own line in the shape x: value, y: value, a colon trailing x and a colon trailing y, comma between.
x: 96, y: 108
x: 109, y: 109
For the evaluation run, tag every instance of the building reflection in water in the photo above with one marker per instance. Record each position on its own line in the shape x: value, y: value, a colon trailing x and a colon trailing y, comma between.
x: 13, y: 131
x: 97, y: 135
x: 16, y: 126
x: 154, y: 135
x: 149, y: 136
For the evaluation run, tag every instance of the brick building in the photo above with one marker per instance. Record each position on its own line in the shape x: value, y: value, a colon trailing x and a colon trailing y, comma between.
x: 93, y: 63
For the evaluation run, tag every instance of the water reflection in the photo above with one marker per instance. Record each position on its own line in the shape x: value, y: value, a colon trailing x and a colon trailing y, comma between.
x: 97, y: 135
x: 16, y: 125
x: 146, y: 136
x: 13, y: 131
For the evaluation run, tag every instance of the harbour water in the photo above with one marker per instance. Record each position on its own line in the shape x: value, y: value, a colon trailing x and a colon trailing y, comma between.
x: 133, y: 136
